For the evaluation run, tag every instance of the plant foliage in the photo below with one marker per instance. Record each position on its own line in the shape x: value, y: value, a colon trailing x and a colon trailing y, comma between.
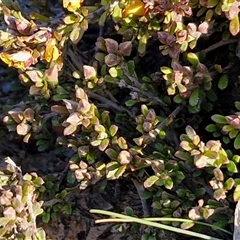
x: 120, y: 116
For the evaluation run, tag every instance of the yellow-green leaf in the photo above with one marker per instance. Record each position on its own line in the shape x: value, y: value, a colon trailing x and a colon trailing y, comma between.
x: 72, y: 5
x: 150, y: 181
x: 193, y: 59
x: 223, y: 82
x: 234, y: 26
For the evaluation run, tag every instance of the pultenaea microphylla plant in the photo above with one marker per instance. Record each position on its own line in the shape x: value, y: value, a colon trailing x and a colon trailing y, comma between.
x: 19, y: 204
x: 87, y: 97
x: 213, y: 157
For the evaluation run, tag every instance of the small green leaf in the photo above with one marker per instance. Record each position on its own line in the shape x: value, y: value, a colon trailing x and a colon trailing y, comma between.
x: 200, y: 12
x: 70, y: 129
x: 219, y: 194
x: 131, y: 67
x: 217, y: 134
x: 99, y: 128
x: 102, y: 19
x: 199, y: 192
x: 211, y: 95
x: 104, y: 144
x: 166, y: 70
x: 150, y: 181
x: 68, y: 209
x: 187, y: 146
x: 181, y: 192
x: 168, y: 183
x: 63, y: 193
x: 130, y: 102
x: 228, y: 185
x: 121, y: 170
x: 96, y: 142
x: 227, y: 129
x: 110, y: 79
x: 40, y: 234
x: 146, y: 195
x: 231, y: 167
x: 76, y: 35
x: 144, y: 110
x: 171, y: 90
x: 181, y: 87
x: 237, y: 105
x: 187, y: 225
x: 193, y: 44
x: 129, y: 211
x: 194, y: 98
x: 218, y: 174
x: 179, y: 176
x: 111, y: 153
x: 194, y: 109
x: 4, y: 221
x: 46, y: 217
x: 234, y: 26
x: 111, y: 170
x: 142, y: 43
x: 236, y: 194
x: 237, y: 142
x: 70, y: 19
x: 117, y: 13
x: 100, y: 56
x: 226, y: 139
x: 233, y: 133
x: 178, y: 99
x: 122, y: 143
x: 237, y: 181
x: 59, y: 97
x: 219, y: 119
x: 212, y: 3
x: 211, y: 128
x: 223, y: 82
x: 113, y: 72
x: 236, y: 158
x: 190, y: 132
x: 43, y: 147
x: 113, y: 130
x: 193, y: 59
x: 70, y: 177
x: 207, y: 85
x: 183, y: 155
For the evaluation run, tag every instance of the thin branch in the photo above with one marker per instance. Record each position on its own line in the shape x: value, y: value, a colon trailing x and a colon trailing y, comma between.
x: 149, y: 95
x: 75, y: 60
x: 219, y: 44
x: 109, y: 103
x: 153, y: 134
x: 97, y: 13
x: 137, y: 87
x: 140, y: 190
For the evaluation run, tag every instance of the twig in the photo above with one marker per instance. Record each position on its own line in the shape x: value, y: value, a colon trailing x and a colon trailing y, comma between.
x: 153, y: 134
x: 76, y: 60
x: 219, y: 44
x: 149, y: 95
x: 140, y: 190
x: 109, y: 103
x: 137, y: 87
x: 95, y: 14
x: 131, y: 78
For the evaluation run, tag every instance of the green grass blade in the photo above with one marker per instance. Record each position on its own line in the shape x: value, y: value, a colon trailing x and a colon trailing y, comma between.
x: 153, y: 224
